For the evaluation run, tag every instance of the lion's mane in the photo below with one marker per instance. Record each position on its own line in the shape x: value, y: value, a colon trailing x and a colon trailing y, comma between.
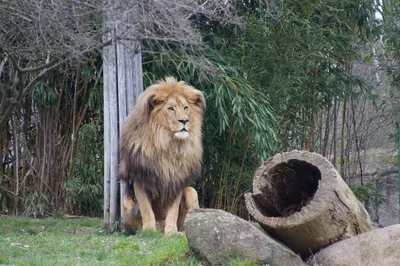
x: 150, y: 155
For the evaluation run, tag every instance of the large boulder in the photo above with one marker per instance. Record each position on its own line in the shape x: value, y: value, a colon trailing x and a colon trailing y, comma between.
x: 377, y: 247
x: 217, y: 236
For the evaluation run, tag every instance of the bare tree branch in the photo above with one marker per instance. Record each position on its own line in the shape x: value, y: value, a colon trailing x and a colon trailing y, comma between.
x: 44, y: 72
x: 39, y: 36
x: 32, y: 29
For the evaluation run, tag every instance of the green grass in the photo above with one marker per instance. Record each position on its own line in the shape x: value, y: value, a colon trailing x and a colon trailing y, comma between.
x: 52, y: 241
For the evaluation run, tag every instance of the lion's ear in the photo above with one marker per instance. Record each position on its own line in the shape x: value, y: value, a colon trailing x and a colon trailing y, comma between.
x: 145, y: 103
x: 154, y: 98
x: 201, y: 101
x: 197, y: 99
x: 152, y: 102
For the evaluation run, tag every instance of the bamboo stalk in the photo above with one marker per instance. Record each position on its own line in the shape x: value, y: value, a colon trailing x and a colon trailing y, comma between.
x: 15, y: 125
x: 342, y: 139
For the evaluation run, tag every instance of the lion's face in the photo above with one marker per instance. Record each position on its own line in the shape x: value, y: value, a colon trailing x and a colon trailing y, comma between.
x: 175, y: 114
x: 176, y: 108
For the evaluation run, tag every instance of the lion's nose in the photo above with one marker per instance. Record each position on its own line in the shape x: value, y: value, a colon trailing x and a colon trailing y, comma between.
x: 184, y: 121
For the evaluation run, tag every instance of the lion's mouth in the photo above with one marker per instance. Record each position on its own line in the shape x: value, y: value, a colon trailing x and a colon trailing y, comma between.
x: 182, y: 134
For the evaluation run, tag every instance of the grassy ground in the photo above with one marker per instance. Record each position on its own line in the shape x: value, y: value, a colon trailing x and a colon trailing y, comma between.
x: 52, y: 241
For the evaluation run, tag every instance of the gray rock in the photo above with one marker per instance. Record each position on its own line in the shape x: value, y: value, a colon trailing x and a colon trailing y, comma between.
x: 217, y: 236
x: 377, y: 247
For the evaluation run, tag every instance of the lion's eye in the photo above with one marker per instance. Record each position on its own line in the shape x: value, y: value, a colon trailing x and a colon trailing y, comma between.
x: 171, y: 108
x: 185, y: 108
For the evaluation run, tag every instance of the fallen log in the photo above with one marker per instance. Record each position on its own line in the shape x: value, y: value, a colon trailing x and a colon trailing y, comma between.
x: 301, y: 199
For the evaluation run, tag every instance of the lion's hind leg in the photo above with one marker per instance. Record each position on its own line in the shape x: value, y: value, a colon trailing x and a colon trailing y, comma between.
x: 190, y: 198
x: 128, y: 204
x: 189, y: 201
x: 132, y: 219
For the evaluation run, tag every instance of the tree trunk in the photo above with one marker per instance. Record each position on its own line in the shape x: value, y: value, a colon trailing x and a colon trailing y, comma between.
x: 300, y: 198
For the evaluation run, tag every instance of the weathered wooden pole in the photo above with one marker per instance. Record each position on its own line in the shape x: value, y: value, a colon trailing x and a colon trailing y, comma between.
x: 300, y: 198
x: 123, y: 82
x: 130, y: 85
x: 108, y: 74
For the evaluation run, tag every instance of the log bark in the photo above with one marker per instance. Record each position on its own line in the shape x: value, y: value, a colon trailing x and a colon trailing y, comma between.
x: 301, y: 199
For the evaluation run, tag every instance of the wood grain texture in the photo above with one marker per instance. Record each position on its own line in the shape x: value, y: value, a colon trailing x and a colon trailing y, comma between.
x: 123, y: 82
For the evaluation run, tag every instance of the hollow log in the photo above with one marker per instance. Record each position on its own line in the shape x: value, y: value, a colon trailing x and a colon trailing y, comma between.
x: 301, y: 199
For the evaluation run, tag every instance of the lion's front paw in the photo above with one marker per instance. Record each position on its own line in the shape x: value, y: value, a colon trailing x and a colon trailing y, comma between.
x: 175, y: 234
x: 170, y: 230
x: 171, y: 233
x: 128, y: 203
x: 149, y: 225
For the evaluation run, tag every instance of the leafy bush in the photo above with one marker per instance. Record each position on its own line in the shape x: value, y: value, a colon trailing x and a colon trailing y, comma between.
x: 36, y: 204
x: 368, y: 195
x: 84, y: 190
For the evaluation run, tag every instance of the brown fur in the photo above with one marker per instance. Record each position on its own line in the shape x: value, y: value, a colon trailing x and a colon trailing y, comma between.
x: 158, y: 157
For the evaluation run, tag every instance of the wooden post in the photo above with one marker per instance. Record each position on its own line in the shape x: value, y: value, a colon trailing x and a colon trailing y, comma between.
x: 122, y: 84
x: 110, y: 138
x: 130, y: 85
x: 300, y: 198
x: 113, y: 148
x: 107, y: 76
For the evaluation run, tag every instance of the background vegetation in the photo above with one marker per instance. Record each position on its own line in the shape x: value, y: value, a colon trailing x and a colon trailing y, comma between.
x: 321, y: 76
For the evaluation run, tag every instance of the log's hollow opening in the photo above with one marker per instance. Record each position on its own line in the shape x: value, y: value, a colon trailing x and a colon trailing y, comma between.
x: 292, y: 185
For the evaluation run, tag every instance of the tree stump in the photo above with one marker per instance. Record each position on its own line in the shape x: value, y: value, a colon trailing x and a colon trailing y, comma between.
x: 301, y: 199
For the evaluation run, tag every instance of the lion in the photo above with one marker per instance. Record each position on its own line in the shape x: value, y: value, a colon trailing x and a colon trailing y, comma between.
x: 161, y: 149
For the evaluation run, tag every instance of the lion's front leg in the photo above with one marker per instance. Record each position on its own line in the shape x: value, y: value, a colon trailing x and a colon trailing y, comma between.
x: 148, y: 219
x: 172, y: 216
